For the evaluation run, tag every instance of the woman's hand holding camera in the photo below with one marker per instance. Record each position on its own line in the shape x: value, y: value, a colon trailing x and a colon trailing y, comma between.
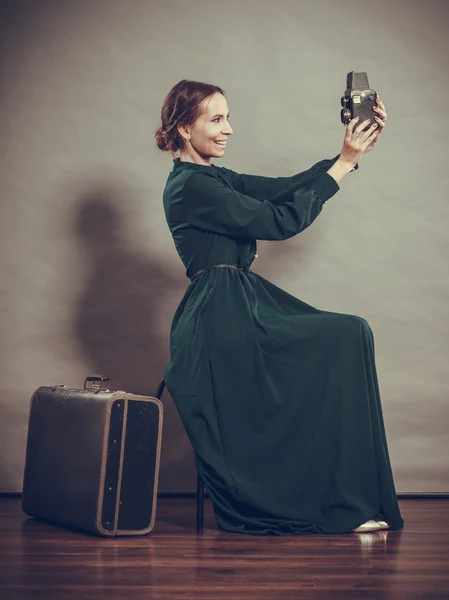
x: 381, y: 118
x: 358, y: 142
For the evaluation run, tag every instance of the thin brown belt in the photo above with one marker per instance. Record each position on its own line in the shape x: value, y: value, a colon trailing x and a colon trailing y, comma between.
x: 244, y: 269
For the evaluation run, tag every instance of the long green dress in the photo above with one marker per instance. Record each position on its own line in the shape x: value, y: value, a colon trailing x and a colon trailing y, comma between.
x: 280, y: 400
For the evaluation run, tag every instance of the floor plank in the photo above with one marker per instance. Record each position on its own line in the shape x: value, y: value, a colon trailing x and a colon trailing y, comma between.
x: 40, y: 560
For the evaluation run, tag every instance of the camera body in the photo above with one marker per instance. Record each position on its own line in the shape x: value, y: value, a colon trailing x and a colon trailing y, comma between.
x: 358, y: 100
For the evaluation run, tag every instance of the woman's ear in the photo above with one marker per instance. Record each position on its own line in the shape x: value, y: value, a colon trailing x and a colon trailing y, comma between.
x: 184, y: 132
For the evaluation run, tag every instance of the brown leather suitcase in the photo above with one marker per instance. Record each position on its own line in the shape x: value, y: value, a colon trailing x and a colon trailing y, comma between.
x: 92, y: 458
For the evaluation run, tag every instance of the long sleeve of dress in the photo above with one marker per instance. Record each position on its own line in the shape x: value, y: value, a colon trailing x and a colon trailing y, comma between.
x: 274, y: 189
x: 212, y: 205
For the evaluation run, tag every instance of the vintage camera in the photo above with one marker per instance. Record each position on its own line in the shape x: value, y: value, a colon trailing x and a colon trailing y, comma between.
x: 358, y: 100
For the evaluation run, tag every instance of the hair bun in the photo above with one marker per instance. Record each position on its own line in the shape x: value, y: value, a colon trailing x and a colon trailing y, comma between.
x: 160, y: 136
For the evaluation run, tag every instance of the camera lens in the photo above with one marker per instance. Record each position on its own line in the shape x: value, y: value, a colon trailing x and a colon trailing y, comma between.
x: 345, y: 116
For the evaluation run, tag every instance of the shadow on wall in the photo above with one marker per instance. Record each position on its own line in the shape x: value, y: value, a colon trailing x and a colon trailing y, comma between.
x: 117, y: 322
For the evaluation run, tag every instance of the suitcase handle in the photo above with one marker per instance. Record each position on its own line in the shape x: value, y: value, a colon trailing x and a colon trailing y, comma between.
x: 96, y: 381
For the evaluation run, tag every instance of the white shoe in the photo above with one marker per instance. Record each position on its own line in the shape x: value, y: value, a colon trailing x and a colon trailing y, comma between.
x: 383, y: 524
x: 371, y: 525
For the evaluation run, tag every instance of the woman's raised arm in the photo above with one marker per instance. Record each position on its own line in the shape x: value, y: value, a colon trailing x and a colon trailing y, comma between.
x: 212, y: 205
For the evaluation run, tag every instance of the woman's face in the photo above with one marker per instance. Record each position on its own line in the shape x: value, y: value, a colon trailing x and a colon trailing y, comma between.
x: 211, y: 128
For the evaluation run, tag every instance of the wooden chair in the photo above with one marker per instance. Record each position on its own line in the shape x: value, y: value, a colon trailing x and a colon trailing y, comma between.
x: 199, y: 484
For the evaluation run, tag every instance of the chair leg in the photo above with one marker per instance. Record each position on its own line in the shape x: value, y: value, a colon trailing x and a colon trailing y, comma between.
x: 160, y: 389
x: 199, y: 504
x: 200, y: 484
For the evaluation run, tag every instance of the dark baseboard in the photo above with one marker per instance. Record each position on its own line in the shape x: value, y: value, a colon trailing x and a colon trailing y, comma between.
x: 400, y: 495
x: 422, y: 495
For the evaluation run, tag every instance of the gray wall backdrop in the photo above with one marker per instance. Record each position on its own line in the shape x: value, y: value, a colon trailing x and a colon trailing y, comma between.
x: 90, y: 278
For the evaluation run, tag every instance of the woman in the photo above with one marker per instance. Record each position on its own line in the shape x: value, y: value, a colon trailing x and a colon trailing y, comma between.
x: 279, y: 399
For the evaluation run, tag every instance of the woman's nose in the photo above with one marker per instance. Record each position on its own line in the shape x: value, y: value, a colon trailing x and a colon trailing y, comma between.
x: 228, y: 129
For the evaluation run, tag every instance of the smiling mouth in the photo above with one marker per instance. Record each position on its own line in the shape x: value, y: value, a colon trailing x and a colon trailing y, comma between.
x: 222, y: 144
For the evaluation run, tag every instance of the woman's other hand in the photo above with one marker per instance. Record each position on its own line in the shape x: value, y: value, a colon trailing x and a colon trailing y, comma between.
x: 381, y: 118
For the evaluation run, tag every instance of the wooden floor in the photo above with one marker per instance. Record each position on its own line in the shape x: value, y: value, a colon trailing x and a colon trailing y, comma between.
x: 39, y: 560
